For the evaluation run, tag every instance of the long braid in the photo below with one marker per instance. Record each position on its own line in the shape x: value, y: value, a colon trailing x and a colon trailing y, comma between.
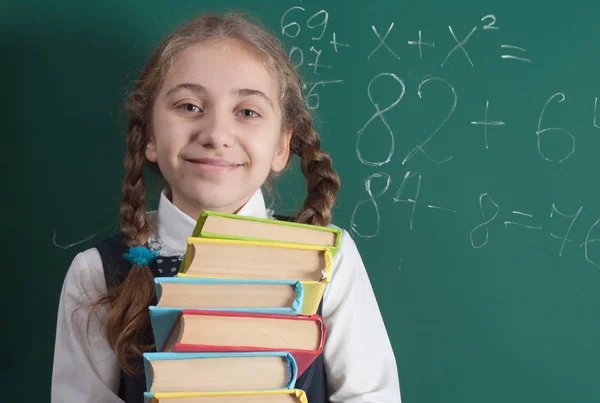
x: 322, y: 182
x: 128, y: 323
x: 133, y: 206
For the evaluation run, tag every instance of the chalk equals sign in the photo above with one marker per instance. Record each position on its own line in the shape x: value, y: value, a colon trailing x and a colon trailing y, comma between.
x: 513, y: 57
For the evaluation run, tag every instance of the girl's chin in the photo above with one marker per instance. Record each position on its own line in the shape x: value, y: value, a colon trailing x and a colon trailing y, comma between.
x: 214, y: 199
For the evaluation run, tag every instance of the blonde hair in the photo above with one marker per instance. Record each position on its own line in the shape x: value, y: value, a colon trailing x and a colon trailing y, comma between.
x: 128, y: 329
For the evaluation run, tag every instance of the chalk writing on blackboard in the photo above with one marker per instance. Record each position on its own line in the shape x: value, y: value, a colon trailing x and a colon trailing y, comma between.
x: 285, y: 29
x: 80, y: 241
x: 489, y: 210
x: 404, y: 194
x: 595, y: 106
x: 521, y: 224
x: 293, y: 51
x: 316, y: 64
x: 485, y: 123
x: 434, y: 207
x: 312, y: 98
x: 382, y: 41
x: 589, y: 241
x: 513, y: 57
x: 325, y: 17
x: 292, y: 29
x: 336, y: 43
x: 372, y: 199
x: 545, y: 131
x: 317, y: 26
x: 379, y: 113
x: 564, y: 238
x: 522, y: 213
x: 399, y: 194
x: 420, y: 44
x: 555, y: 141
x: 486, y: 221
x: 459, y: 45
x: 510, y: 52
x: 491, y: 24
x: 421, y: 147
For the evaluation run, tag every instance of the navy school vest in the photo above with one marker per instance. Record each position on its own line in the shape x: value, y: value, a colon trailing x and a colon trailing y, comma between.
x: 132, y: 387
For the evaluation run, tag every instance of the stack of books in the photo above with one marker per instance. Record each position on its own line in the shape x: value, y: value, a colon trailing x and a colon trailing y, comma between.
x: 239, y: 322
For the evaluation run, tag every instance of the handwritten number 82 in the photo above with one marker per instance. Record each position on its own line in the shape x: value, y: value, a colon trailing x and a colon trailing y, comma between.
x: 380, y: 114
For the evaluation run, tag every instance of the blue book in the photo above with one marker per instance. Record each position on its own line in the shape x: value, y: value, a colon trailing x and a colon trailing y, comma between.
x: 279, y: 297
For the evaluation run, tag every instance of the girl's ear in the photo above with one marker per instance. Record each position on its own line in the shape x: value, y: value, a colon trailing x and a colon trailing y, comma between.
x: 283, y: 152
x: 151, y: 150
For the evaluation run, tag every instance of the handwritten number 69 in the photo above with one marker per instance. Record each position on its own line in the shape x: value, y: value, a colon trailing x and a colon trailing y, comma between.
x: 292, y: 29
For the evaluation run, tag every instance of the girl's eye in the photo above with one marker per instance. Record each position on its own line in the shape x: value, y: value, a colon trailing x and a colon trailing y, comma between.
x: 248, y: 113
x: 190, y: 108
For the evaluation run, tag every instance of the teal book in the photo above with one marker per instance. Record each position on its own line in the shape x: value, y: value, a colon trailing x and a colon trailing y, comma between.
x: 218, y: 372
x: 281, y: 297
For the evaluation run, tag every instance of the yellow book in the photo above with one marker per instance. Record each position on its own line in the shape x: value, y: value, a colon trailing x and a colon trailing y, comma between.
x: 268, y: 396
x: 261, y: 260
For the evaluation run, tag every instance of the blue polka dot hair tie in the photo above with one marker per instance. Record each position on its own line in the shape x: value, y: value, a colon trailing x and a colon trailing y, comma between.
x: 140, y: 255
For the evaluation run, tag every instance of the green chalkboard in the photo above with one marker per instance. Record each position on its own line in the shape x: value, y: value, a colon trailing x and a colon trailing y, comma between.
x: 466, y: 136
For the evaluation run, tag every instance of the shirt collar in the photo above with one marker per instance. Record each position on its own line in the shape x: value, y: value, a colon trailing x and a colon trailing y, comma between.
x: 174, y: 227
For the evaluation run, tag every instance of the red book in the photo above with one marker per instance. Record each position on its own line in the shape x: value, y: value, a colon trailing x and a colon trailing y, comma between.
x: 216, y: 331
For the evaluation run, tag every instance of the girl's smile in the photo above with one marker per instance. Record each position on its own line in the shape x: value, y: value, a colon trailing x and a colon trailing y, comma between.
x: 213, y: 165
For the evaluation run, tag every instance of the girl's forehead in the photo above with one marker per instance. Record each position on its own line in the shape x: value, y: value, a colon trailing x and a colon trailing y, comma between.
x: 220, y: 65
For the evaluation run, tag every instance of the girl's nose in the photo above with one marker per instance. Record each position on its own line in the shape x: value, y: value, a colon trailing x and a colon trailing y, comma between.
x: 218, y: 131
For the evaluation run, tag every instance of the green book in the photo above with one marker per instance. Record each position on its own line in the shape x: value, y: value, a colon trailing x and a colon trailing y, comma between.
x: 215, y: 225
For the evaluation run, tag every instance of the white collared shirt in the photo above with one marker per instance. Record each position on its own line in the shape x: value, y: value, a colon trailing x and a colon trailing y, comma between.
x: 358, y: 356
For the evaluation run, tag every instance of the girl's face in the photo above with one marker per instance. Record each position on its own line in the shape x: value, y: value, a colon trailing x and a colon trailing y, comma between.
x: 216, y: 130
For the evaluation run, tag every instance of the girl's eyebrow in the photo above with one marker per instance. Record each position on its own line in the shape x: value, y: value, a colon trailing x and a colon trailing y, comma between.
x: 187, y: 86
x: 244, y: 92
